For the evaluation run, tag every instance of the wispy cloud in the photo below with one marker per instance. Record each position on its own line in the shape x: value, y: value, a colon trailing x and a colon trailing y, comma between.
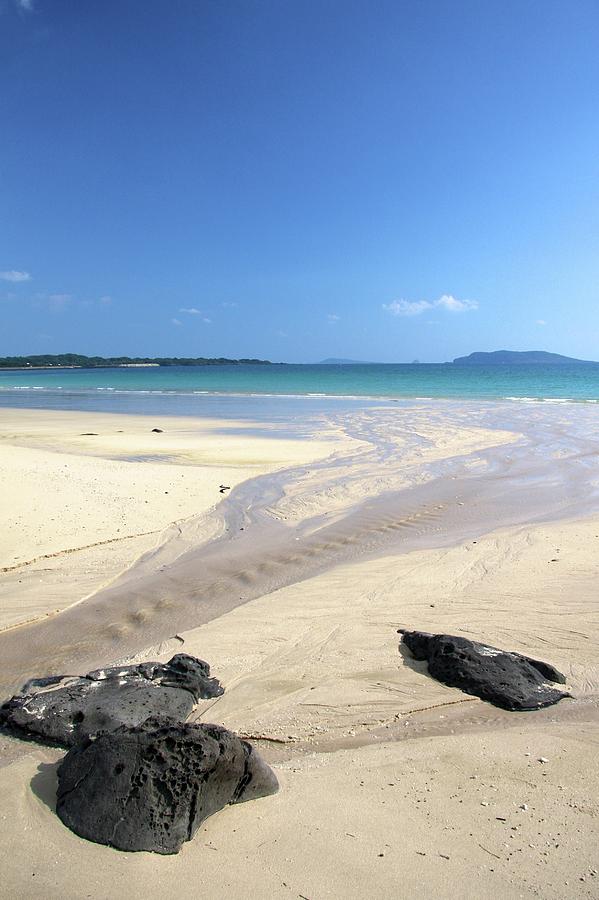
x: 102, y: 302
x: 193, y: 311
x: 416, y: 307
x: 229, y: 304
x: 15, y: 276
x: 407, y: 307
x: 25, y: 5
x: 332, y: 319
x: 541, y: 322
x: 176, y: 322
x: 59, y: 302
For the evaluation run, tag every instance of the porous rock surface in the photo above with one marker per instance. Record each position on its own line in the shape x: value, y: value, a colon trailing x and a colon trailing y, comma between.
x: 150, y: 787
x: 65, y: 709
x: 501, y: 677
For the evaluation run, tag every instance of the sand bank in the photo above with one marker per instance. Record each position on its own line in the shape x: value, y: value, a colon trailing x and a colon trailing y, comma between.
x: 85, y: 494
x: 391, y: 483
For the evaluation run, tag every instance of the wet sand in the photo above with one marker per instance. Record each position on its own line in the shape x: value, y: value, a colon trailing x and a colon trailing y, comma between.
x: 474, y: 519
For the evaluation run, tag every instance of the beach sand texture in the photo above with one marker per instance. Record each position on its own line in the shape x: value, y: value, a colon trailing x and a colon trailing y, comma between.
x: 85, y: 494
x: 391, y: 783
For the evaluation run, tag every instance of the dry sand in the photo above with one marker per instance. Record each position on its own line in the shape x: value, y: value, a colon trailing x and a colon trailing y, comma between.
x: 391, y: 784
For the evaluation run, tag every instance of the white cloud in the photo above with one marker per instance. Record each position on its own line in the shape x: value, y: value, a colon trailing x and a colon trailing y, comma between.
x: 105, y: 300
x: 25, y: 5
x: 407, y: 308
x: 332, y: 318
x: 417, y: 307
x: 452, y: 304
x: 176, y: 322
x: 229, y: 305
x: 207, y: 321
x: 14, y: 276
x: 541, y: 322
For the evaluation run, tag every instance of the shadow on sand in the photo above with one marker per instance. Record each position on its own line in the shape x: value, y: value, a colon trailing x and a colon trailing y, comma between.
x: 44, y: 783
x: 420, y: 666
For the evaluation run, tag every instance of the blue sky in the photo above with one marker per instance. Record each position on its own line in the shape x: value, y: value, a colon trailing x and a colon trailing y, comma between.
x: 298, y: 179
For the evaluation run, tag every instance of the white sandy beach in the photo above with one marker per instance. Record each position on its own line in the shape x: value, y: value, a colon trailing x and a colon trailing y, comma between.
x: 85, y: 494
x: 299, y: 450
x: 391, y: 783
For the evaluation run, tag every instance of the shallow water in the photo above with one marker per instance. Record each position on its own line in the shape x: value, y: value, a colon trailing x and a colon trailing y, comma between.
x: 191, y: 389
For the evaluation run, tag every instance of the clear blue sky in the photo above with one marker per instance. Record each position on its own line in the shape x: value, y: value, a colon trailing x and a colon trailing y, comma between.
x: 296, y: 179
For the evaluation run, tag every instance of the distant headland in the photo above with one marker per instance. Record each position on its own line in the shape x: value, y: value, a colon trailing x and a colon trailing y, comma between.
x: 519, y: 358
x: 77, y: 361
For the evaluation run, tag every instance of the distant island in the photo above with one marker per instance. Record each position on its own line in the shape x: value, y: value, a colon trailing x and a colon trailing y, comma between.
x: 77, y: 361
x: 519, y: 358
x: 344, y: 362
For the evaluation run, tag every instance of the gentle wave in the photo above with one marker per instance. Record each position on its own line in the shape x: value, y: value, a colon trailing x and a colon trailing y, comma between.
x: 309, y: 395
x: 551, y: 399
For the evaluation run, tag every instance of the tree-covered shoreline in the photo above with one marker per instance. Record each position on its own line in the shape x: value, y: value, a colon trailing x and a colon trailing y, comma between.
x: 79, y: 361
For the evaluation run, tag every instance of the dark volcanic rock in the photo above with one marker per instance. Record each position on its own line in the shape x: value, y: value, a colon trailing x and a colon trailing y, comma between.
x: 151, y: 787
x: 506, y: 679
x: 65, y: 709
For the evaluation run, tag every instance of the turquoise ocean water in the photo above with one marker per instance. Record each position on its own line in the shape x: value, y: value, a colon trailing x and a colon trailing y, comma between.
x: 216, y: 389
